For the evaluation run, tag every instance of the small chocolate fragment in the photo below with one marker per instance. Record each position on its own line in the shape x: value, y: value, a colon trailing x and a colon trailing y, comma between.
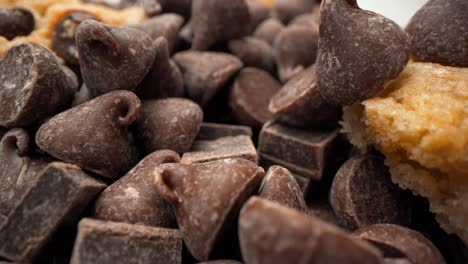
x: 268, y: 30
x: 250, y: 95
x: 398, y: 241
x: 259, y: 11
x: 439, y: 32
x: 109, y: 242
x: 285, y: 10
x: 253, y: 52
x: 171, y: 123
x: 181, y: 7
x: 16, y: 22
x: 359, y: 51
x: 211, y: 131
x: 299, y: 103
x: 223, y: 261
x: 207, y: 198
x: 271, y: 233
x: 215, y: 21
x: 117, y: 4
x: 94, y: 135
x: 63, y: 37
x: 113, y: 58
x: 222, y: 148
x: 58, y: 196
x: 33, y: 85
x: 205, y: 73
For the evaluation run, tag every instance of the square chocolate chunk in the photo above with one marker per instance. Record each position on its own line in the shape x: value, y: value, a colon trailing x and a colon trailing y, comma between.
x: 211, y: 131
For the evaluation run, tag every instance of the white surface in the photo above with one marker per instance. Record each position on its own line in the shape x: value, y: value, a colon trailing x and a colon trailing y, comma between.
x: 399, y: 11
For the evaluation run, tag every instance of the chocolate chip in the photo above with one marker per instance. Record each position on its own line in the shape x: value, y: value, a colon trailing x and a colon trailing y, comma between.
x: 117, y: 4
x: 285, y: 10
x: 354, y: 62
x: 207, y: 198
x: 268, y: 30
x: 253, y: 52
x: 259, y: 11
x: 271, y: 233
x: 438, y: 33
x: 216, y: 21
x: 398, y: 241
x: 33, y: 85
x: 58, y: 196
x: 16, y: 22
x: 211, y: 131
x: 107, y: 242
x: 171, y: 123
x: 93, y: 135
x: 205, y: 73
x: 108, y: 54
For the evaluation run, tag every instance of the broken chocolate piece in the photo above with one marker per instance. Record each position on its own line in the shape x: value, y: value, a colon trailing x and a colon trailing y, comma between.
x: 121, y: 56
x: 253, y: 52
x: 211, y: 131
x: 359, y: 51
x: 33, y: 85
x: 285, y: 10
x: 271, y: 233
x: 58, y: 196
x: 268, y: 30
x: 107, y: 242
x: 16, y: 22
x: 207, y: 198
x: 94, y: 135
x: 398, y: 241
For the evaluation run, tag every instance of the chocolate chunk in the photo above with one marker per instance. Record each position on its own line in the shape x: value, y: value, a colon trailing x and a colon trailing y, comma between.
x: 216, y: 21
x: 295, y: 49
x: 301, y: 151
x: 58, y: 196
x: 222, y: 148
x: 211, y: 131
x: 271, y: 233
x: 108, y: 54
x: 363, y: 194
x: 359, y: 51
x: 133, y: 198
x: 299, y: 103
x: 63, y: 37
x: 171, y: 123
x: 223, y: 261
x: 181, y: 7
x: 107, y: 242
x: 259, y: 11
x: 268, y: 30
x: 398, y: 241
x: 16, y: 22
x: 205, y: 73
x: 438, y: 32
x: 286, y: 10
x: 207, y: 198
x: 250, y: 95
x: 117, y: 4
x: 33, y: 86
x: 253, y: 52
x: 164, y: 79
x: 94, y: 135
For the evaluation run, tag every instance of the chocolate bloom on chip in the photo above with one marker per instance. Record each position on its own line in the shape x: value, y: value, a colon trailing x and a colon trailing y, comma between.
x: 16, y: 22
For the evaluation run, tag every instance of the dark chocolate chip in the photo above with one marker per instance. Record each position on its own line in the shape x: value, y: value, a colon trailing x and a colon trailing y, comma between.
x: 207, y: 198
x: 259, y: 11
x: 94, y: 135
x: 117, y: 4
x: 16, y: 22
x: 271, y: 233
x: 285, y: 10
x: 253, y: 52
x: 211, y: 131
x: 398, y: 241
x: 120, y: 56
x: 171, y: 123
x: 268, y: 30
x: 205, y: 73
x: 33, y: 85
x: 359, y: 51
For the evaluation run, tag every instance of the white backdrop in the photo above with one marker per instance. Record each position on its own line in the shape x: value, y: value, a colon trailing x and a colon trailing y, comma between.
x: 399, y: 11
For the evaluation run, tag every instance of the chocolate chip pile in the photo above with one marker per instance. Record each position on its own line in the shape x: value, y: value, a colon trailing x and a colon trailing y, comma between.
x: 210, y: 132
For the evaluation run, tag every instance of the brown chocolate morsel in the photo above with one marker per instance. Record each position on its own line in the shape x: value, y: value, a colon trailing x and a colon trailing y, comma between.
x: 268, y: 30
x: 109, y: 242
x: 211, y: 131
x: 295, y: 49
x: 181, y: 7
x: 94, y: 135
x: 16, y: 22
x: 250, y: 95
x: 63, y: 37
x: 396, y: 261
x: 223, y: 261
x: 133, y: 199
x: 205, y: 73
x: 259, y: 11
x: 285, y: 10
x: 207, y: 198
x: 279, y: 186
x: 113, y: 58
x: 33, y: 85
x: 271, y: 233
x: 253, y: 52
x: 299, y: 103
x: 222, y: 148
x: 171, y: 123
x: 164, y: 78
x: 398, y: 241
x: 439, y: 34
x: 117, y: 4
x: 215, y: 21
x: 58, y: 196
x: 359, y: 51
